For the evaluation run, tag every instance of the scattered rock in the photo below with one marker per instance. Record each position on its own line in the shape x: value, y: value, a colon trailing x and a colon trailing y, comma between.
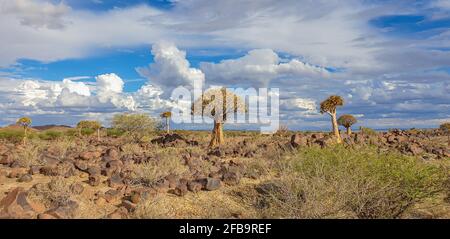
x: 129, y: 205
x: 120, y: 213
x: 34, y: 170
x: 115, y: 181
x: 298, y: 140
x: 94, y: 180
x: 90, y: 155
x: 77, y: 188
x: 26, y: 178
x: 64, y: 212
x: 16, y: 205
x: 112, y: 195
x: 194, y: 186
x: 212, y: 184
x: 45, y: 216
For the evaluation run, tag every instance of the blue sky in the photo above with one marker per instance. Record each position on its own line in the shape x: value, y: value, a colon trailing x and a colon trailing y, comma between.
x: 388, y: 59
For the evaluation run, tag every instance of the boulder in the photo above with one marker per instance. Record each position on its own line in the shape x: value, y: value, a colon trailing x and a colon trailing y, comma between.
x: 35, y: 170
x: 16, y: 205
x: 90, y: 155
x: 6, y: 159
x: 130, y: 206
x: 65, y: 211
x: 297, y: 140
x: 115, y: 181
x: 17, y: 172
x: 94, y: 180
x: 212, y: 184
x: 120, y: 213
x: 194, y: 186
x: 26, y: 178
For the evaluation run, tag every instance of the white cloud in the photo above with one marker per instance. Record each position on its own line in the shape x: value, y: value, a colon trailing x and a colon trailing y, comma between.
x: 36, y: 13
x: 258, y: 68
x: 171, y: 69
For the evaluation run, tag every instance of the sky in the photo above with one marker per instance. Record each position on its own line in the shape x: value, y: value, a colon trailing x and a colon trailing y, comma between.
x: 62, y: 61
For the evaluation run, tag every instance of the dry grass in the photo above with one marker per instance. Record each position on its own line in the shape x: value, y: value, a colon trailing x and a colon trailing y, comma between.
x: 164, y: 163
x: 29, y: 154
x: 212, y: 205
x: 53, y: 194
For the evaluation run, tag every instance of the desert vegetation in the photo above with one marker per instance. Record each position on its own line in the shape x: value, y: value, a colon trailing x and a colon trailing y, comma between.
x: 133, y: 169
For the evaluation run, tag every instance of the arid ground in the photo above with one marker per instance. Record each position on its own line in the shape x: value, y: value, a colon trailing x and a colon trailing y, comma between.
x: 56, y: 174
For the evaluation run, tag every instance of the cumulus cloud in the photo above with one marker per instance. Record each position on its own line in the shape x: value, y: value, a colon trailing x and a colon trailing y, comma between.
x: 258, y: 68
x: 36, y: 14
x: 170, y: 69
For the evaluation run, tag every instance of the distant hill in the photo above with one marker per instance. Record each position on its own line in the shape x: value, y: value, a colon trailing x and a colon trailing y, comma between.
x: 52, y: 127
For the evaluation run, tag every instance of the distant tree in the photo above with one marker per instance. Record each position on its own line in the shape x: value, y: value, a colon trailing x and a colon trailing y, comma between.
x: 446, y: 128
x: 89, y: 124
x: 166, y: 115
x: 329, y: 106
x: 218, y: 104
x: 25, y: 123
x: 347, y: 121
x: 135, y: 125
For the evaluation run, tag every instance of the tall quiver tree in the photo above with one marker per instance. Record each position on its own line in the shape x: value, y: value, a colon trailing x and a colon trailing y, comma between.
x: 218, y: 104
x: 347, y: 121
x: 167, y: 115
x: 329, y: 106
x: 25, y: 123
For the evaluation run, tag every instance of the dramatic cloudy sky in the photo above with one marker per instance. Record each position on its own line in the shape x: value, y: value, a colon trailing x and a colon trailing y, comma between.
x: 66, y: 60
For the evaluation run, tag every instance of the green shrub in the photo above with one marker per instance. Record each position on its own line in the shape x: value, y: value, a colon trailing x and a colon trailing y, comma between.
x: 86, y: 131
x: 137, y: 126
x: 50, y: 135
x: 338, y: 182
x: 12, y: 136
x: 115, y: 132
x: 367, y: 131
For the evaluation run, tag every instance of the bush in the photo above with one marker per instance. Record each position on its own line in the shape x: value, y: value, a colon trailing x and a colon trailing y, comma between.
x: 445, y: 127
x: 29, y: 154
x: 135, y: 125
x: 50, y: 135
x: 114, y: 132
x: 53, y: 194
x: 338, y: 182
x: 368, y: 131
x: 12, y: 135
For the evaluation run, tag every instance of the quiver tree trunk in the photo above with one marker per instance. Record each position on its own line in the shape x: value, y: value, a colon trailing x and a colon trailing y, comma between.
x: 25, y: 135
x: 98, y: 134
x: 167, y: 125
x: 335, y: 127
x: 217, y: 135
x: 349, y: 130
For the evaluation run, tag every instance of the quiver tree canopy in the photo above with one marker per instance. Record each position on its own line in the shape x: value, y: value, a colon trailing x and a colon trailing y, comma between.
x: 218, y: 104
x: 347, y: 121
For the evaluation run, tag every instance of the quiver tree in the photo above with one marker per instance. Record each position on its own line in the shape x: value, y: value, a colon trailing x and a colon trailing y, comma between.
x: 218, y: 104
x: 89, y: 124
x: 166, y: 115
x: 347, y: 121
x: 329, y: 106
x: 25, y: 123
